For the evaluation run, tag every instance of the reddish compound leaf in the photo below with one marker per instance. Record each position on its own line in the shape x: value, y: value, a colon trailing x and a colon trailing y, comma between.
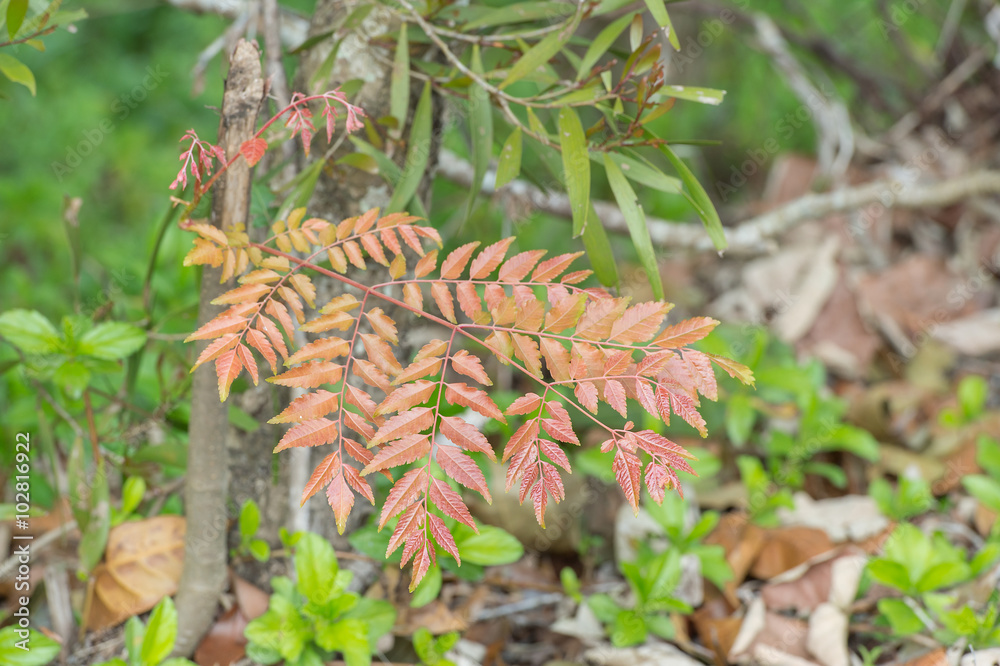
x: 227, y: 368
x: 555, y: 453
x: 517, y: 267
x: 309, y: 433
x: 561, y: 430
x: 406, y: 489
x: 539, y: 498
x: 627, y: 468
x: 409, y: 522
x: 526, y: 349
x: 422, y: 368
x: 216, y: 347
x: 321, y: 475
x: 218, y: 326
x: 383, y: 326
x: 361, y: 486
x: 259, y: 342
x: 341, y: 500
x: 639, y: 323
x: 479, y: 401
x: 407, y: 423
x: 455, y: 263
x: 422, y: 561
x: 734, y: 369
x: 550, y: 269
x: 586, y: 393
x: 685, y: 332
x: 401, y: 452
x: 469, y: 365
x: 565, y: 314
x: 310, y: 375
x: 521, y: 439
x: 614, y: 393
x: 442, y: 296
x: 466, y: 436
x: 407, y: 396
x: 460, y: 467
x: 450, y: 503
x: 525, y: 404
x: 309, y: 406
x: 444, y: 538
x: 426, y: 265
x: 380, y: 353
x: 487, y: 260
x: 553, y: 482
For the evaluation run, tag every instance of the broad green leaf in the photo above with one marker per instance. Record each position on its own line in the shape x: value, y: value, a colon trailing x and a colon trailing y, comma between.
x: 598, y: 247
x: 605, y: 608
x: 428, y: 589
x: 249, y: 519
x: 658, y: 9
x: 629, y: 628
x: 15, y: 16
x: 576, y: 167
x: 416, y: 156
x: 260, y: 550
x: 539, y: 54
x: 17, y: 71
x: 112, y: 340
x: 347, y: 636
x: 315, y: 567
x: 699, y: 200
x: 492, y: 546
x: 972, y: 392
x: 890, y: 573
x: 72, y: 377
x: 29, y: 331
x: 942, y: 575
x: 988, y: 455
x: 509, y: 163
x: 379, y: 617
x: 605, y: 38
x: 636, y: 220
x: 481, y: 129
x: 702, y: 95
x: 161, y: 632
x: 35, y: 650
x: 984, y: 489
x: 423, y: 644
x: 281, y: 629
x: 399, y: 91
x: 902, y: 618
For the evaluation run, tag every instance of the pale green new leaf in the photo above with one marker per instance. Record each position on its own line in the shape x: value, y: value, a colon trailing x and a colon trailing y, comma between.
x: 658, y: 9
x: 605, y: 38
x: 576, y: 167
x: 17, y: 71
x: 636, y: 220
x: 711, y: 96
x: 15, y: 16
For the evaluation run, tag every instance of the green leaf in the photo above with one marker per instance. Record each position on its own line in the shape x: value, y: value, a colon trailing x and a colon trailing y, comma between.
x: 315, y: 567
x: 35, y: 650
x: 416, y: 156
x: 519, y: 13
x: 73, y: 378
x: 890, y: 573
x: 945, y: 574
x: 605, y: 608
x: 539, y: 54
x: 260, y: 550
x: 423, y: 645
x: 988, y: 455
x: 161, y: 632
x: 641, y: 171
x: 636, y: 220
x: 605, y: 38
x: 984, y: 489
x: 629, y: 628
x: 972, y: 392
x: 15, y: 16
x: 711, y: 96
x: 698, y: 198
x: 598, y: 247
x: 348, y: 636
x: 492, y: 546
x: 281, y: 629
x: 112, y: 340
x: 428, y: 589
x: 249, y: 519
x: 576, y: 167
x: 95, y: 536
x: 481, y: 129
x: 570, y: 583
x: 379, y: 617
x: 658, y: 9
x: 133, y: 491
x: 17, y: 71
x: 509, y: 162
x: 740, y: 418
x: 399, y: 91
x: 29, y: 331
x: 901, y: 617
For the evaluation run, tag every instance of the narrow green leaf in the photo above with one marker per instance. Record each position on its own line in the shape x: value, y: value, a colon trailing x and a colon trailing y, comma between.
x: 509, y: 164
x: 598, y: 247
x: 699, y: 199
x: 17, y: 71
x: 389, y: 170
x: 638, y: 170
x: 519, y: 13
x: 399, y: 91
x: 605, y: 38
x: 539, y: 54
x: 15, y: 16
x: 711, y: 96
x: 636, y: 220
x: 416, y: 156
x: 576, y: 167
x: 481, y: 129
x: 658, y: 9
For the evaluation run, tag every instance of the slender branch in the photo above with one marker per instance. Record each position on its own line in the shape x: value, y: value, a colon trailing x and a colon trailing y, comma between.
x: 752, y: 236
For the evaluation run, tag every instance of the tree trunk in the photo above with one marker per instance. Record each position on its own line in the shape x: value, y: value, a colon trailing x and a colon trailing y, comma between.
x: 205, y: 549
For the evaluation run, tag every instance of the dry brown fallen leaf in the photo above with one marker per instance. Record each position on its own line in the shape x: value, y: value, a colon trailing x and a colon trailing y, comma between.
x: 770, y: 638
x: 831, y: 579
x: 788, y: 547
x: 225, y: 643
x: 936, y: 657
x: 142, y: 564
x: 715, y: 625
